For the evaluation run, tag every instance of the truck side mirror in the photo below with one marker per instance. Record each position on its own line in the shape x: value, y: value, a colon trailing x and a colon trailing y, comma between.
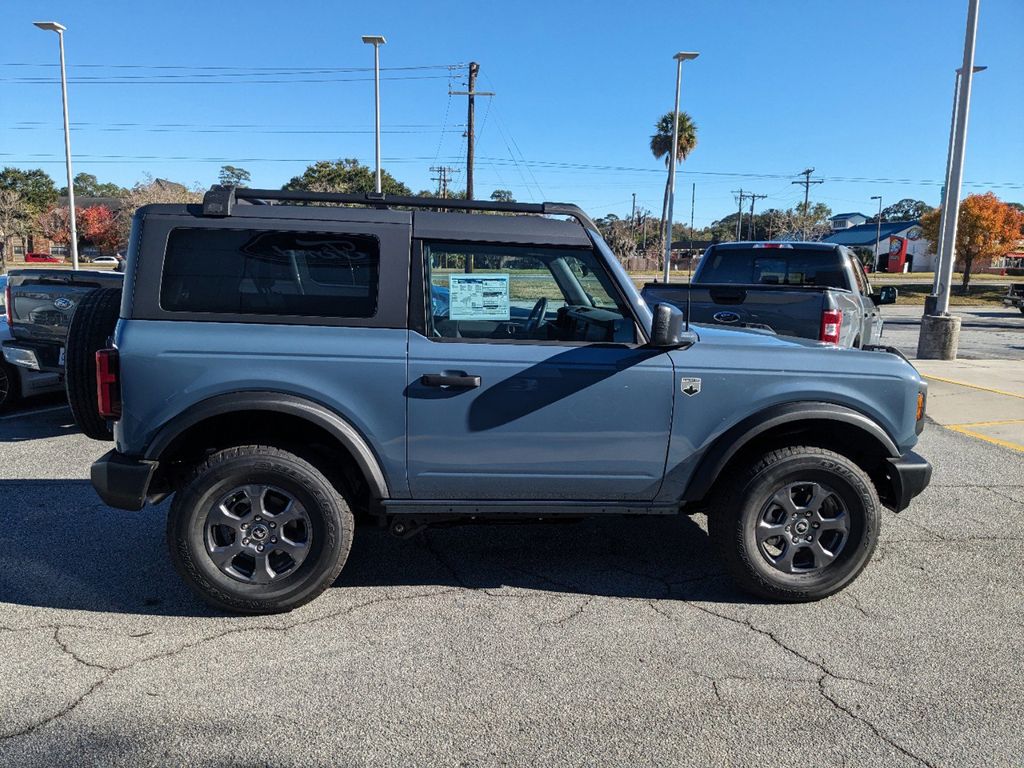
x: 667, y: 327
x: 887, y: 295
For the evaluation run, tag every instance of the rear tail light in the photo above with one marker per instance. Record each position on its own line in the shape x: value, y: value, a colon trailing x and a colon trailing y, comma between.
x: 108, y: 384
x: 9, y: 305
x: 831, y: 322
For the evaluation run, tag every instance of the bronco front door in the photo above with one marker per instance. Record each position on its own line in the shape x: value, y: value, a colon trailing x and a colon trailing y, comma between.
x: 527, y: 381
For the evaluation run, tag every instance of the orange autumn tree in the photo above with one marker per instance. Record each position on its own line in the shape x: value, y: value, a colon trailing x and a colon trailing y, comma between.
x: 98, y: 225
x: 987, y: 228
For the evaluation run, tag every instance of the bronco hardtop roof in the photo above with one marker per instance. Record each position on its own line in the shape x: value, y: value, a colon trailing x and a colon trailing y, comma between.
x: 432, y: 217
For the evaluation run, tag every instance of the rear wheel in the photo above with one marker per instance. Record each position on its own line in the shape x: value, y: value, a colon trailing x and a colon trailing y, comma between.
x: 92, y: 325
x: 799, y: 525
x: 10, y: 386
x: 256, y: 529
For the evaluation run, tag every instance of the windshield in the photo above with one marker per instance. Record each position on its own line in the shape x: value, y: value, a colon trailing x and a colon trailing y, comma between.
x: 773, y: 266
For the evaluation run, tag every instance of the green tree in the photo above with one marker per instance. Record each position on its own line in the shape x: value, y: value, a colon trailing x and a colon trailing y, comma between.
x: 906, y: 209
x: 502, y: 196
x: 661, y: 146
x: 35, y: 187
x: 345, y: 175
x: 86, y: 185
x: 236, y: 177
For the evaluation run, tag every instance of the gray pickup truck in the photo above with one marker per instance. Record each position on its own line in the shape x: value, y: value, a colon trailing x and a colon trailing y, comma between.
x: 40, y: 306
x: 811, y: 290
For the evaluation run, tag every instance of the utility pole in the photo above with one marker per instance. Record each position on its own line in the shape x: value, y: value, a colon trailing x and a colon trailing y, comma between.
x: 806, y: 173
x: 739, y: 216
x: 472, y: 93
x: 632, y: 215
x: 693, y: 205
x: 750, y: 229
x: 444, y: 175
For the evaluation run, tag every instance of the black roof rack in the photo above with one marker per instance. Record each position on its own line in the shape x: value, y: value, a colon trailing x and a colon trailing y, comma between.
x: 220, y: 201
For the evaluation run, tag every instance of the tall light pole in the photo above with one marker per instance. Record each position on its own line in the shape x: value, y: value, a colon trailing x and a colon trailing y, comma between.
x: 949, y: 167
x: 680, y: 58
x: 53, y: 26
x: 878, y: 229
x: 376, y: 41
x: 940, y: 332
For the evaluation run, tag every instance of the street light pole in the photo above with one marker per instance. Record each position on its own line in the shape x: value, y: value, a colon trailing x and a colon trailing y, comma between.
x: 940, y: 332
x: 949, y: 166
x: 53, y: 26
x: 376, y: 41
x: 680, y: 58
x: 878, y: 228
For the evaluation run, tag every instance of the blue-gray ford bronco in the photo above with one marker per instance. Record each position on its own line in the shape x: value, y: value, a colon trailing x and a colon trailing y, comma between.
x: 285, y: 362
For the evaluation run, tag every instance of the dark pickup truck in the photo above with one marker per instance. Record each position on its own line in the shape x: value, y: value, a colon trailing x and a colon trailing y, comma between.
x: 811, y: 290
x: 1015, y: 297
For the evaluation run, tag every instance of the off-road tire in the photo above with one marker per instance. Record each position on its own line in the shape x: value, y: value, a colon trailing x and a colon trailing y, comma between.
x: 10, y: 386
x: 92, y: 325
x: 734, y: 511
x: 330, y: 515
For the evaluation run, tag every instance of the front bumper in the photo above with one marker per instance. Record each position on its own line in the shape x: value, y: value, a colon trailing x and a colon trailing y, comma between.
x: 121, y: 481
x: 909, y: 475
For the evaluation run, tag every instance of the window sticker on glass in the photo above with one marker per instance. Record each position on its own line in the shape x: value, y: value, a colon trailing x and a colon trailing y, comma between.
x: 477, y: 296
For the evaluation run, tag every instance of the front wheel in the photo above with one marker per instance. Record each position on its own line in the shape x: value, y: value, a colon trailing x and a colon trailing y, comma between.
x: 801, y: 524
x: 256, y: 529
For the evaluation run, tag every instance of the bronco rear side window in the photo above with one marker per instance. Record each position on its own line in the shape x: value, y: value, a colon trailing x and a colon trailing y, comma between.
x: 253, y: 272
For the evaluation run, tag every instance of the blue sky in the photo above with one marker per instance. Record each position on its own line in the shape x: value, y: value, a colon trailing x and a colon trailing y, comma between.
x: 855, y: 90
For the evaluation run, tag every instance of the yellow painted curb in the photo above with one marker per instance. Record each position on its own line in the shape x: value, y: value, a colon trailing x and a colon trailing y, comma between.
x: 972, y: 386
x: 988, y: 423
x: 994, y: 440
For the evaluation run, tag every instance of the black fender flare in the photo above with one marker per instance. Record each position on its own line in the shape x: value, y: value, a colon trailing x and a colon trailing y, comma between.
x: 276, y: 402
x: 730, y: 442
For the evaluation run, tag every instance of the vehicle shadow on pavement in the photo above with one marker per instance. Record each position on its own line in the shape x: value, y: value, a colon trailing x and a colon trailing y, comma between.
x: 16, y: 427
x: 62, y: 548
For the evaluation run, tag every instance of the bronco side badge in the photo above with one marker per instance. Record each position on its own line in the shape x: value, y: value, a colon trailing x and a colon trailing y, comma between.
x: 690, y: 387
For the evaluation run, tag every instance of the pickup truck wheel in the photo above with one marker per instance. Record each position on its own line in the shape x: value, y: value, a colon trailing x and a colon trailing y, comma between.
x: 10, y: 386
x: 92, y: 325
x: 256, y: 529
x: 799, y: 525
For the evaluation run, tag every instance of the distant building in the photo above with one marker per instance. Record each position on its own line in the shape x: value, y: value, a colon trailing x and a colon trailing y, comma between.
x: 847, y: 220
x: 920, y: 252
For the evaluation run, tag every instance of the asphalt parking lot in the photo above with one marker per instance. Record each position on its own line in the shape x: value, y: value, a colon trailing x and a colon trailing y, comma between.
x: 986, y: 332
x: 605, y: 642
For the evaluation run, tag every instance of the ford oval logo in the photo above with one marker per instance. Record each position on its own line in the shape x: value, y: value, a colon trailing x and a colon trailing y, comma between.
x: 726, y: 317
x: 63, y: 303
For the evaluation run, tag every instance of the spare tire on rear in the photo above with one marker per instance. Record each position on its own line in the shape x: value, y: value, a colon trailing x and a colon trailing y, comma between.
x: 92, y: 325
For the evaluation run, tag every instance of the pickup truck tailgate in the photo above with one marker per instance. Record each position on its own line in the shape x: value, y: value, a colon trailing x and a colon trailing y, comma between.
x: 787, y: 311
x: 42, y: 300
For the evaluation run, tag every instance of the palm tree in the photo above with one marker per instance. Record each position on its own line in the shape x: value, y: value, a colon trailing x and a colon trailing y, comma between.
x: 661, y: 146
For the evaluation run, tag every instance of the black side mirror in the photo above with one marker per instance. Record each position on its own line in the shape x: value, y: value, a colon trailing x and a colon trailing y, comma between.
x: 667, y: 328
x: 887, y: 295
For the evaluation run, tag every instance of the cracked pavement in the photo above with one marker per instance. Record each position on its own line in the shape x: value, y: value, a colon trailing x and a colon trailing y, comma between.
x: 601, y: 642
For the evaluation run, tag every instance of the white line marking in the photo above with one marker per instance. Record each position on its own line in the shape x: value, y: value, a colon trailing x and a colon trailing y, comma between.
x: 38, y: 410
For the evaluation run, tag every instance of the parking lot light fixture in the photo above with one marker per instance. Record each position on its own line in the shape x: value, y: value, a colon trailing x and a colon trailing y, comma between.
x: 53, y: 26
x: 878, y: 228
x: 376, y: 41
x: 680, y: 58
